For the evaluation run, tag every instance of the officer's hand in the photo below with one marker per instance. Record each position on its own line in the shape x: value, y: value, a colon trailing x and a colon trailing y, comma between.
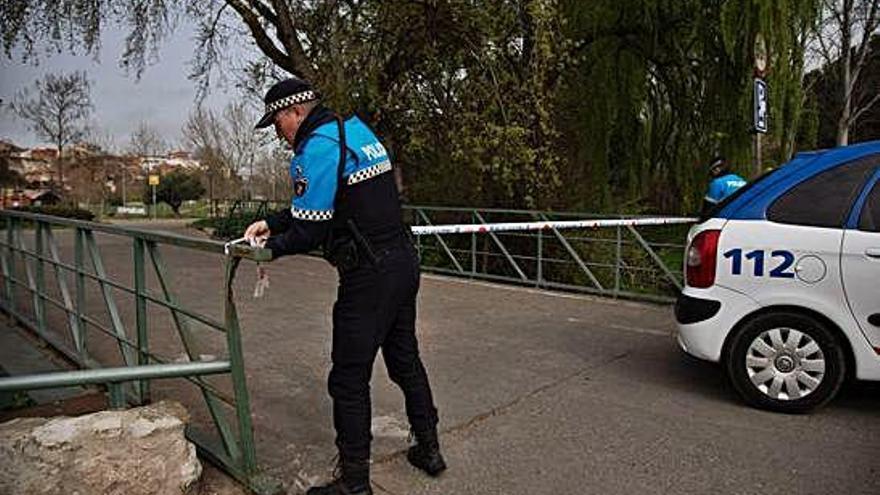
x: 257, y: 232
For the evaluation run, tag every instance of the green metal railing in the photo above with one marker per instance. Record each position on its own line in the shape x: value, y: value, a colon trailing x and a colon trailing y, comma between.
x: 637, y: 263
x: 642, y: 263
x: 28, y: 300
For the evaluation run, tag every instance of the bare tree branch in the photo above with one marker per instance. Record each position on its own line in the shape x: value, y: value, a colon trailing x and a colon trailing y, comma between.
x: 288, y: 34
x: 870, y: 24
x: 864, y: 109
x: 264, y: 42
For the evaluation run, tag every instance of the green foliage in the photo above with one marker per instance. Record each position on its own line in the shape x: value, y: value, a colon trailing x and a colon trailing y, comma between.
x: 607, y: 105
x: 176, y: 187
x: 824, y: 103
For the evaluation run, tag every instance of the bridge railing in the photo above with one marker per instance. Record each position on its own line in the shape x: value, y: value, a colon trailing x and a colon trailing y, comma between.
x: 632, y: 261
x: 112, y: 338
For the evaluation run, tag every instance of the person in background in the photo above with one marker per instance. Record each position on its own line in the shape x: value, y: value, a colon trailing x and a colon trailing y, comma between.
x: 723, y: 183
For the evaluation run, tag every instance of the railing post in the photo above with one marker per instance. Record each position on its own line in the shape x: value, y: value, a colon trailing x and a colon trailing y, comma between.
x: 617, y: 262
x: 540, y: 270
x: 79, y: 262
x: 416, y: 221
x: 9, y: 264
x: 239, y: 383
x: 116, y: 395
x: 141, y: 317
x: 40, y: 294
x: 473, y: 247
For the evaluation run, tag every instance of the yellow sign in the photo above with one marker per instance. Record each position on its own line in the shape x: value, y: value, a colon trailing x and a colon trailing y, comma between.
x: 154, y: 180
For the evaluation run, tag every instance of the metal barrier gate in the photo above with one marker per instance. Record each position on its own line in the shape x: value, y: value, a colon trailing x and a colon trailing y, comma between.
x: 634, y: 257
x: 632, y: 261
x: 29, y: 299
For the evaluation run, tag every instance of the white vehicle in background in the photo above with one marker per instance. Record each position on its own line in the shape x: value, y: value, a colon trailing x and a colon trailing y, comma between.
x: 783, y: 281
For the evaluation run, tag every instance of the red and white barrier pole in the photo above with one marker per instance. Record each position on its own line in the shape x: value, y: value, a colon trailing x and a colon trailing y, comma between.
x: 481, y: 228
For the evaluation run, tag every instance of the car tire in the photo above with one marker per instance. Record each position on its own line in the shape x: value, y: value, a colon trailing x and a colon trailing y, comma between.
x: 786, y: 362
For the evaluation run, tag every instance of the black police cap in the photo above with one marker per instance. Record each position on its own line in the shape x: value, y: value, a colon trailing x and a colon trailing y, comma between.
x: 289, y: 92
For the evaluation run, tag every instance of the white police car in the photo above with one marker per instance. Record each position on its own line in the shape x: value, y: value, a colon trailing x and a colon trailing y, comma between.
x: 783, y: 280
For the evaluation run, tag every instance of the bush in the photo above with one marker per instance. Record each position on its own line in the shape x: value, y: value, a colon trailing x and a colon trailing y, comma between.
x: 60, y: 211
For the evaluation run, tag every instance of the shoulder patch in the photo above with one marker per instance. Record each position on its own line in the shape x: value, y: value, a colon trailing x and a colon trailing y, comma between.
x: 299, y: 186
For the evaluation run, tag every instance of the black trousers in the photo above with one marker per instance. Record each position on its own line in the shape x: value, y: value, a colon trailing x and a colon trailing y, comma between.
x: 376, y: 309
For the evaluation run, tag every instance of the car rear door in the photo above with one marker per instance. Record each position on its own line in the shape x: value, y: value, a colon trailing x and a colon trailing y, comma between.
x: 860, y: 262
x: 793, y: 257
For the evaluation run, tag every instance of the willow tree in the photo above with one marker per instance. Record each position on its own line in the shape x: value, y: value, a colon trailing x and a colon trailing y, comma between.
x: 609, y: 104
x: 668, y: 84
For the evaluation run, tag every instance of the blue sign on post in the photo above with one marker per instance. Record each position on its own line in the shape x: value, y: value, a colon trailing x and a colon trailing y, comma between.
x: 761, y: 109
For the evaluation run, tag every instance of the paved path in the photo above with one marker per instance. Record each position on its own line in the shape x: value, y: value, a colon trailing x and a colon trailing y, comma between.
x: 539, y: 393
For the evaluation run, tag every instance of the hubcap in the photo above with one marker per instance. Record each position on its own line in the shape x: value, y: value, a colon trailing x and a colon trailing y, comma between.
x: 785, y: 364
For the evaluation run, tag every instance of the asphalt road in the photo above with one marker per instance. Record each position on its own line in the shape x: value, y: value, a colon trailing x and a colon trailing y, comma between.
x: 539, y: 393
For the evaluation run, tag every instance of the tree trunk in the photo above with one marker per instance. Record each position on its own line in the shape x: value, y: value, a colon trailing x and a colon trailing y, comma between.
x: 846, y: 74
x: 59, y: 164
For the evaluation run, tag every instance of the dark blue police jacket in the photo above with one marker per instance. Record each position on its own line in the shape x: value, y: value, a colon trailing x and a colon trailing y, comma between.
x: 369, y: 196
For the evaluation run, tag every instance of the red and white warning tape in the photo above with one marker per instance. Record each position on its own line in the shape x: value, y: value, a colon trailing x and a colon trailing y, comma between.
x: 546, y: 225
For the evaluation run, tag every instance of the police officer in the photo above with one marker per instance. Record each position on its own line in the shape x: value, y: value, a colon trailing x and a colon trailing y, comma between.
x: 723, y: 183
x: 346, y: 202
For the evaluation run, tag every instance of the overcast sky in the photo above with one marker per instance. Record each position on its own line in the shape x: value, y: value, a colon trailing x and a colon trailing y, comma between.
x: 163, y: 97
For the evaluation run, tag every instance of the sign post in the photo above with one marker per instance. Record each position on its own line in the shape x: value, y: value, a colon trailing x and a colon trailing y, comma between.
x: 154, y: 181
x: 761, y: 110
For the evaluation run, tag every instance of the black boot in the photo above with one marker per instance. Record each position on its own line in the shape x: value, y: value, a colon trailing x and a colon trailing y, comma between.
x: 425, y: 454
x: 351, y: 477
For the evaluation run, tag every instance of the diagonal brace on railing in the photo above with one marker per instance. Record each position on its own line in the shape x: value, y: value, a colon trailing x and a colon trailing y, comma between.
x: 61, y: 278
x: 106, y: 290
x: 573, y: 253
x: 8, y: 262
x: 442, y: 243
x: 503, y: 249
x: 32, y: 282
x: 181, y: 323
x: 641, y: 240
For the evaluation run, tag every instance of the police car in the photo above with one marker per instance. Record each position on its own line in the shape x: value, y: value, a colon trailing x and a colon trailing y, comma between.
x: 783, y: 280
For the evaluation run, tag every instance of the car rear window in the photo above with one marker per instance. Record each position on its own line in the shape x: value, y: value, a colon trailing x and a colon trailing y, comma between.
x: 824, y: 200
x: 870, y: 219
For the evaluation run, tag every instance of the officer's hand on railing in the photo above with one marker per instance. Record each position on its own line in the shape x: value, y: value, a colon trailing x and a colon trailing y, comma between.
x: 257, y: 233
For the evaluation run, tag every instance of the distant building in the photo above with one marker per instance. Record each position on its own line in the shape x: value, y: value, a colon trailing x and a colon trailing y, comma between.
x: 171, y: 161
x: 37, y: 167
x: 28, y: 197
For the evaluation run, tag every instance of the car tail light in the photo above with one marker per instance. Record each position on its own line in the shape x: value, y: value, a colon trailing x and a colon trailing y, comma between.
x: 701, y: 258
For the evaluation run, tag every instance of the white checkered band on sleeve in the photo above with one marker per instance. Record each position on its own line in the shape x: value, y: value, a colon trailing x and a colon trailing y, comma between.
x: 311, y: 215
x: 291, y: 100
x: 369, y: 172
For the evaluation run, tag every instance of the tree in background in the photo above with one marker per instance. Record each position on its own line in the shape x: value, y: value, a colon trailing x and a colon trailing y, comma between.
x: 660, y: 87
x: 58, y: 110
x: 243, y: 144
x: 825, y: 106
x: 208, y: 136
x: 145, y: 140
x: 176, y: 187
x: 609, y: 105
x: 842, y: 38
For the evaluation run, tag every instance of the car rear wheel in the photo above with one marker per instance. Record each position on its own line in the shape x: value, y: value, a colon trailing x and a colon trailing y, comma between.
x: 786, y: 362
